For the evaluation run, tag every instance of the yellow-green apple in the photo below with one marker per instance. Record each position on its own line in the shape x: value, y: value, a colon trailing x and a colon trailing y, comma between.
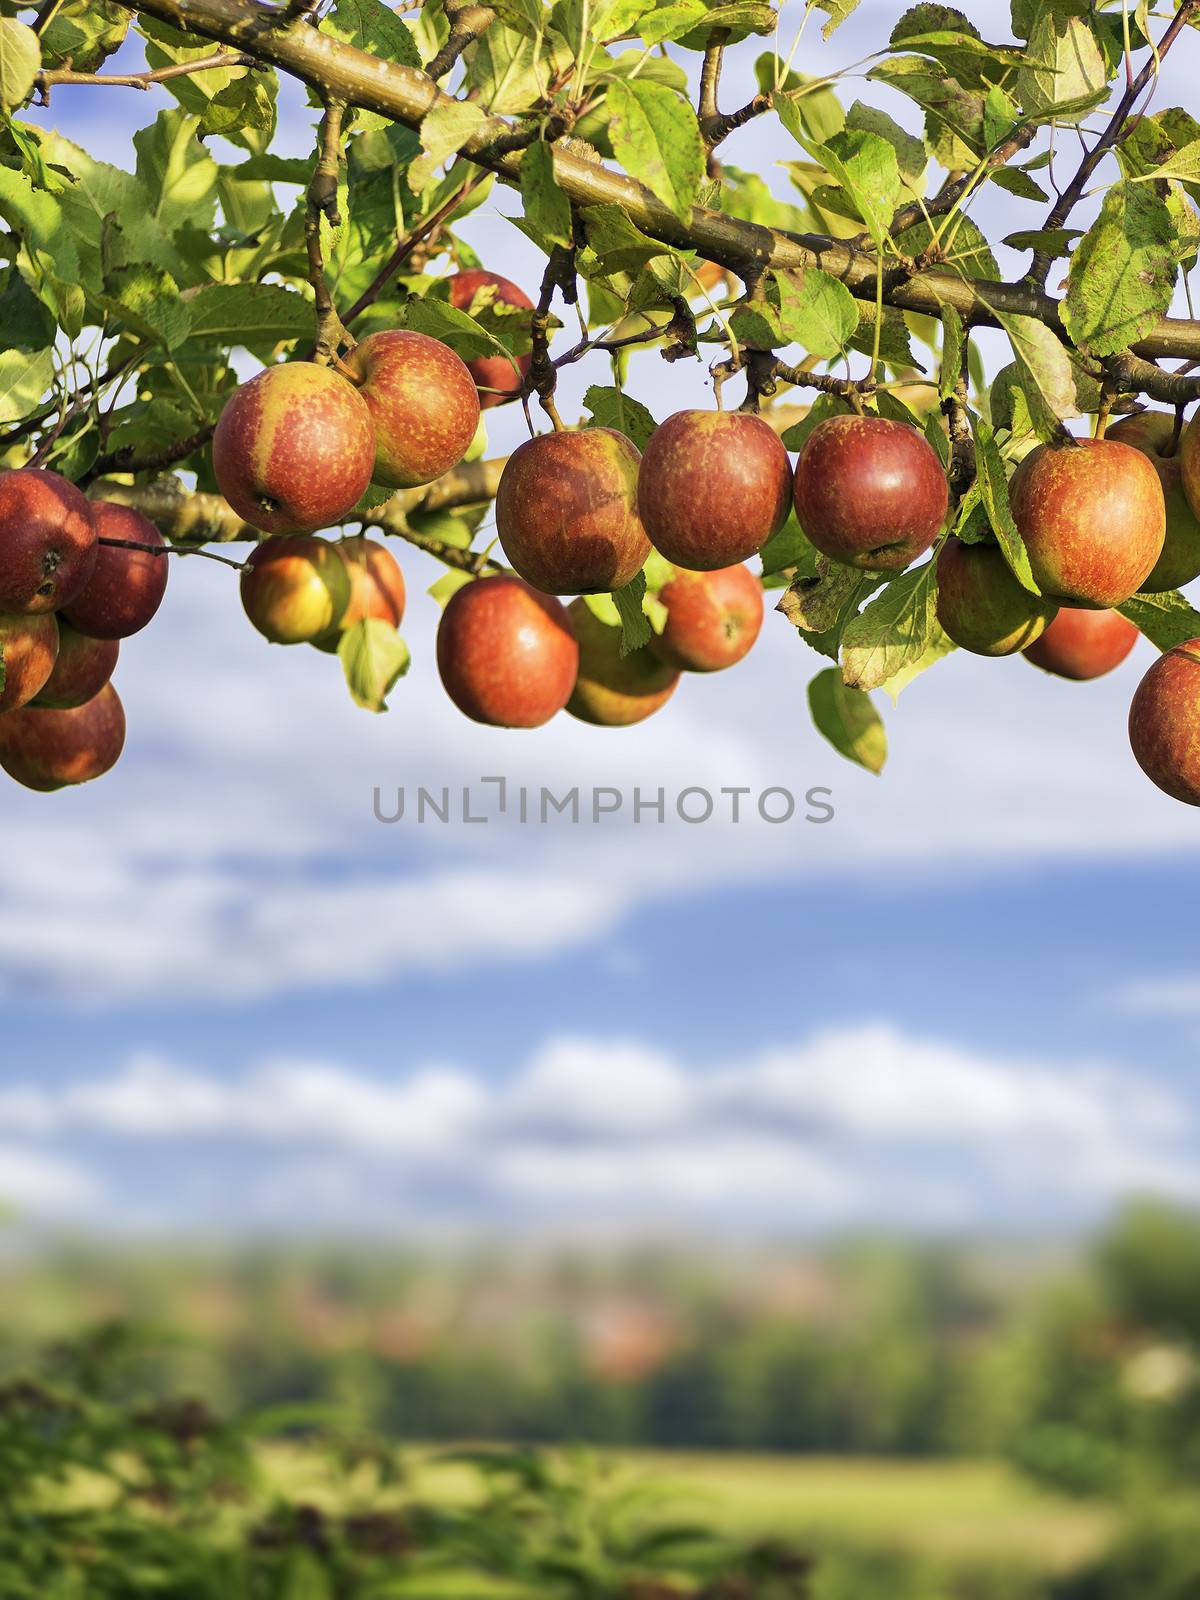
x: 612, y: 690
x: 981, y: 605
x: 47, y: 541
x: 713, y: 618
x: 713, y: 487
x: 126, y: 586
x: 83, y: 667
x: 567, y: 512
x: 506, y: 653
x: 294, y: 448
x: 28, y: 650
x: 376, y: 588
x: 1164, y: 723
x: 870, y: 492
x: 1153, y: 433
x: 295, y: 588
x: 1083, y: 644
x: 1092, y: 517
x: 423, y: 404
x: 46, y: 749
x: 496, y: 379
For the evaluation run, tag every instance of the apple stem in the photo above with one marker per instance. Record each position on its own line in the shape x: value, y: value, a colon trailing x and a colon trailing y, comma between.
x: 1173, y: 445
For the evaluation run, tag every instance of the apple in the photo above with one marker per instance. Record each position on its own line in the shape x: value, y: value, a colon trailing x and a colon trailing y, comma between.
x: 126, y: 586
x: 713, y: 487
x: 422, y: 401
x: 294, y: 448
x: 47, y: 541
x: 506, y: 653
x: 713, y: 619
x: 47, y: 749
x: 83, y: 667
x: 1153, y: 433
x: 495, y: 377
x: 567, y: 511
x: 1164, y: 723
x: 295, y: 588
x: 376, y: 588
x: 28, y: 650
x: 612, y: 690
x: 1092, y: 517
x: 1083, y: 644
x: 981, y: 605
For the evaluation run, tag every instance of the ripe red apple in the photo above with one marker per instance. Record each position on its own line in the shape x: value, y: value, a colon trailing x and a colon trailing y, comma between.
x: 713, y: 619
x: 28, y: 649
x: 46, y: 749
x: 713, y: 487
x: 1093, y: 518
x: 423, y: 404
x: 1083, y: 644
x: 1153, y: 433
x: 83, y: 667
x: 126, y: 586
x: 47, y: 541
x: 981, y: 605
x: 495, y: 377
x: 294, y: 448
x: 566, y: 511
x: 294, y: 589
x: 612, y: 690
x: 506, y: 653
x: 1164, y: 723
x: 376, y: 588
x: 870, y: 492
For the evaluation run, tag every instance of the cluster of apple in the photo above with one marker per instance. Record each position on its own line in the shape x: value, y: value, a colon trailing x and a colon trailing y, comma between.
x: 67, y: 598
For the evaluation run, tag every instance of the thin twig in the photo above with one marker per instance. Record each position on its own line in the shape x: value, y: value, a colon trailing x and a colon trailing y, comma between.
x: 45, y: 81
x: 323, y: 203
x: 467, y: 22
x: 405, y: 247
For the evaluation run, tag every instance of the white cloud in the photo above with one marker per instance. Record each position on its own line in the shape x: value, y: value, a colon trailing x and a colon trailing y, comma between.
x: 1171, y: 996
x: 34, y: 1182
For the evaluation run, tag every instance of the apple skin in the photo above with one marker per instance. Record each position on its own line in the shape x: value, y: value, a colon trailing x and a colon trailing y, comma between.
x: 46, y: 749
x: 1092, y: 517
x: 506, y: 653
x: 294, y: 449
x: 494, y: 376
x: 295, y: 588
x: 423, y: 404
x: 567, y: 513
x: 47, y: 541
x: 612, y: 690
x: 1151, y: 432
x: 1082, y: 644
x: 376, y: 588
x: 30, y: 648
x: 126, y: 586
x: 1164, y: 723
x: 981, y: 605
x: 83, y: 667
x: 713, y: 487
x: 713, y: 619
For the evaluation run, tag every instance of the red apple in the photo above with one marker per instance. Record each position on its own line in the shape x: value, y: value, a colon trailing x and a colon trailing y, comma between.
x: 612, y: 690
x: 495, y: 377
x: 1153, y: 433
x: 1164, y: 723
x: 28, y: 650
x: 83, y: 667
x: 46, y: 749
x: 126, y: 586
x: 423, y: 404
x: 869, y: 492
x: 1092, y: 517
x: 713, y: 487
x: 294, y: 589
x: 506, y: 653
x: 1083, y: 644
x: 376, y: 588
x: 47, y: 541
x: 981, y: 605
x: 294, y: 449
x: 713, y: 619
x: 566, y: 512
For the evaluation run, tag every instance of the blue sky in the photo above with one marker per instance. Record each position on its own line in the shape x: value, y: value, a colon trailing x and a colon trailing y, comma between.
x: 232, y: 999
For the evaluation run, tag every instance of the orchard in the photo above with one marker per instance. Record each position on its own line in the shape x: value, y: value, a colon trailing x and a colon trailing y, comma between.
x: 227, y: 345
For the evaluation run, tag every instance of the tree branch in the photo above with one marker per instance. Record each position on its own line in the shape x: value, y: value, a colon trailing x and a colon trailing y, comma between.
x: 405, y: 247
x: 467, y: 22
x: 45, y: 81
x: 323, y: 202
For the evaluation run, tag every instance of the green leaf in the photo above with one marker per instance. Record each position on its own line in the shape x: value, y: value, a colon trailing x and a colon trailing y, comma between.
x: 737, y: 19
x: 546, y: 206
x: 39, y: 218
x: 85, y: 32
x: 821, y: 602
x: 1048, y: 375
x: 25, y: 376
x: 910, y: 151
x: 176, y: 174
x: 613, y: 408
x: 837, y: 11
x: 1064, y: 72
x: 952, y: 352
x: 146, y: 298
x: 816, y: 311
x: 247, y: 102
x: 894, y: 631
x: 966, y: 248
x: 866, y: 166
x: 1184, y: 164
x: 1123, y: 271
x: 444, y: 131
x: 846, y: 717
x: 635, y: 625
x: 227, y: 314
x: 374, y: 658
x: 618, y: 244
x: 786, y: 549
x: 1166, y: 619
x: 656, y: 138
x: 1014, y: 180
x: 372, y: 26
x: 993, y: 491
x: 1052, y: 242
x: 456, y: 328
x: 660, y: 23
x: 20, y: 62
